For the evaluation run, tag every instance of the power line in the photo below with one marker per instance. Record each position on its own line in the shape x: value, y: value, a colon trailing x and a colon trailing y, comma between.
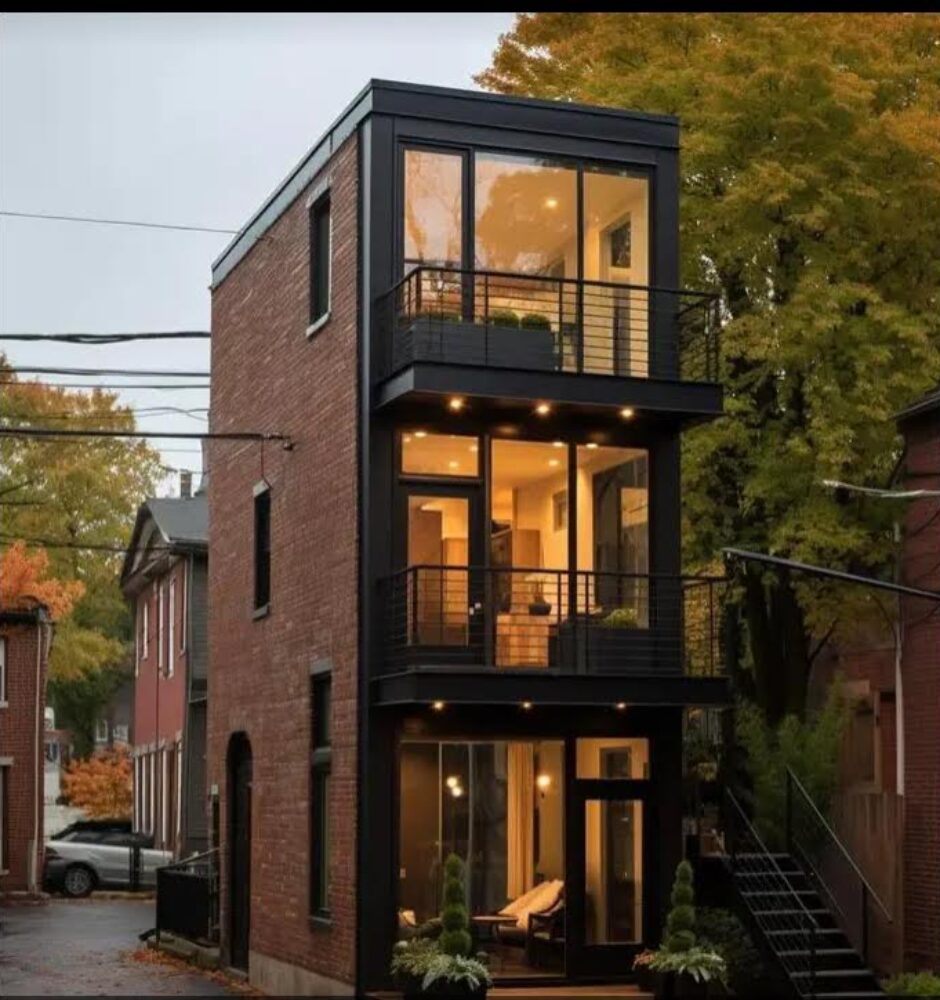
x: 102, y: 339
x: 142, y: 411
x: 104, y: 385
x: 123, y: 372
x: 53, y: 432
x: 51, y: 543
x: 118, y: 222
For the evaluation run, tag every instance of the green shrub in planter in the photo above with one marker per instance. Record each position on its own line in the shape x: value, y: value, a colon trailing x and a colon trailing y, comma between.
x: 411, y: 961
x: 913, y: 984
x: 680, y: 924
x: 535, y: 321
x: 502, y: 317
x: 456, y: 976
x: 621, y: 618
x: 722, y: 932
x: 455, y: 938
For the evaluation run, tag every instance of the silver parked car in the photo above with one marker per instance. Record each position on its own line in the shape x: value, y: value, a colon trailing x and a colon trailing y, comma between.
x: 81, y: 860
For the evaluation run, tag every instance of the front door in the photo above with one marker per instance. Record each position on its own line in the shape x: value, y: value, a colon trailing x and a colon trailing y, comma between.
x: 611, y: 836
x: 239, y: 839
x: 443, y: 581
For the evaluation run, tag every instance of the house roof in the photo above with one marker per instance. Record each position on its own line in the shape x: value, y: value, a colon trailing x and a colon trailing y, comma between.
x: 177, y: 523
x: 926, y: 404
x: 418, y: 100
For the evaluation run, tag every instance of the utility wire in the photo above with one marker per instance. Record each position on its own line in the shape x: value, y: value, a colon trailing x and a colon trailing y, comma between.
x: 123, y: 372
x: 104, y: 385
x: 52, y: 543
x: 117, y: 222
x: 100, y: 339
x: 54, y: 432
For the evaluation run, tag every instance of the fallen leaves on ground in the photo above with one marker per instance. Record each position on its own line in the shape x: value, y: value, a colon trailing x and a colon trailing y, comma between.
x: 151, y: 956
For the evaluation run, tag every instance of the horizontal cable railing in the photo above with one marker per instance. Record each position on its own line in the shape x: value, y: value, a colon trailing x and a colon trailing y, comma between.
x: 544, y: 323
x: 569, y: 621
x: 788, y: 927
x: 832, y: 870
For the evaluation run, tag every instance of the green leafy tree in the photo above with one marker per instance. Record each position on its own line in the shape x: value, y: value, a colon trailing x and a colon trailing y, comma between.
x: 810, y: 186
x: 455, y: 937
x: 680, y: 923
x: 66, y: 492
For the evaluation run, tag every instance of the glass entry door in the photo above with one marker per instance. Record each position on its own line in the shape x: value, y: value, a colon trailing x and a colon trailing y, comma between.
x: 441, y: 552
x: 611, y: 839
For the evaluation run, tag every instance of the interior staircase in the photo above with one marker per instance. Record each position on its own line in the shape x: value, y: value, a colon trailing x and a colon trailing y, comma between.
x: 802, y: 927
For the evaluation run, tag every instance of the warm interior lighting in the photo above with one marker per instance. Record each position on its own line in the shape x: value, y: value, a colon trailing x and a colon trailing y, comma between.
x: 591, y: 444
x: 620, y: 706
x: 455, y: 403
x: 627, y: 413
x: 543, y: 409
x: 452, y: 781
x: 554, y: 463
x: 453, y: 464
x: 526, y: 705
x: 421, y: 434
x: 543, y: 782
x: 558, y: 444
x: 550, y: 202
x: 456, y: 791
x: 438, y: 706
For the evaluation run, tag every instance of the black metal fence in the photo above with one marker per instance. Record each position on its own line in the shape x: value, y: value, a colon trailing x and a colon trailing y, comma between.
x: 574, y: 622
x: 188, y: 898
x: 541, y: 323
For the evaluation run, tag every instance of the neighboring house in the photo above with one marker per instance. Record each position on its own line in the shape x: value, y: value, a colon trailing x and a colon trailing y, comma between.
x: 25, y: 640
x: 114, y: 727
x: 448, y: 615
x: 164, y: 579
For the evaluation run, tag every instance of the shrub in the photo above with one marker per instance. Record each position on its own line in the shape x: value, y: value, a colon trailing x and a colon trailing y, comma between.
x: 453, y: 970
x: 913, y: 984
x: 412, y: 959
x: 503, y: 317
x: 535, y: 321
x: 680, y: 924
x: 455, y: 938
x: 699, y: 963
x: 721, y: 931
x: 621, y: 618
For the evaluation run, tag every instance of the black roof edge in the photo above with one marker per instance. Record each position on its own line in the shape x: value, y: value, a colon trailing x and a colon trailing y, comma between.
x: 25, y: 616
x: 923, y: 405
x: 348, y: 121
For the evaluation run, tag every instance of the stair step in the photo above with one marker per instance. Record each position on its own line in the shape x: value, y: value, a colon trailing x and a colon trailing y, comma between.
x: 821, y: 953
x: 831, y: 931
x: 835, y: 974
x: 851, y: 995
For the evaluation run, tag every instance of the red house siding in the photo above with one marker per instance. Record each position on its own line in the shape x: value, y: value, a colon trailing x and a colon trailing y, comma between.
x: 268, y: 375
x: 921, y: 700
x: 22, y: 725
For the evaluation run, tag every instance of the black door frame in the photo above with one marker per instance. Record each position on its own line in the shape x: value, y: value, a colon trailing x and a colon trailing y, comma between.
x: 583, y: 960
x: 239, y: 777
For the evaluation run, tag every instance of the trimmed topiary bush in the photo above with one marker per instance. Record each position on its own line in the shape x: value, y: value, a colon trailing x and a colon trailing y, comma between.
x: 535, y: 321
x: 455, y: 938
x: 502, y: 317
x: 680, y: 924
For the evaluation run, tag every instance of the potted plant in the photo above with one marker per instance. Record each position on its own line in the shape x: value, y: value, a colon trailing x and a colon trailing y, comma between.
x: 685, y: 969
x: 443, y: 967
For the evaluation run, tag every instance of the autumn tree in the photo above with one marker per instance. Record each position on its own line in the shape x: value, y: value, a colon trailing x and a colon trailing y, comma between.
x: 25, y: 582
x: 100, y: 785
x: 76, y: 498
x: 811, y: 203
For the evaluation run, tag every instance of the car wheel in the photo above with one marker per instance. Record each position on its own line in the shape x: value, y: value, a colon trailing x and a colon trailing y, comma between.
x: 78, y: 881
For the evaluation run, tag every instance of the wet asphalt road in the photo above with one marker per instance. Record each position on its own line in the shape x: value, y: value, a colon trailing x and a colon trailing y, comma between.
x: 81, y: 948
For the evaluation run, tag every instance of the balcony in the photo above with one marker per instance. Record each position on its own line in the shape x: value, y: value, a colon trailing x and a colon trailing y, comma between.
x: 665, y: 632
x: 635, y: 344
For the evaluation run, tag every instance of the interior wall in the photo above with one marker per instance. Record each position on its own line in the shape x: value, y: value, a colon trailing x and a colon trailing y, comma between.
x: 550, y: 862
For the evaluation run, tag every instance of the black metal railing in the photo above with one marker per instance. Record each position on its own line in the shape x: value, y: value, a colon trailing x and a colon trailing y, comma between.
x: 547, y: 324
x: 833, y: 872
x: 789, y: 929
x: 570, y: 621
x: 188, y: 898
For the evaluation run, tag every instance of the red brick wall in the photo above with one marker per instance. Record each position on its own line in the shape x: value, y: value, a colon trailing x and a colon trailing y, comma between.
x: 18, y: 740
x: 921, y: 699
x: 267, y: 375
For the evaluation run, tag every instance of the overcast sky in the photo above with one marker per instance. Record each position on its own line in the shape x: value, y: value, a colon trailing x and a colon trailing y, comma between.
x: 173, y: 118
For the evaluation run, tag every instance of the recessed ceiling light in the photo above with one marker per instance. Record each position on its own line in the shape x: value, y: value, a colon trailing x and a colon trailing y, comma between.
x: 453, y: 465
x: 456, y: 791
x: 438, y: 706
x: 452, y: 781
x: 474, y: 448
x: 455, y: 403
x: 592, y: 444
x: 543, y: 409
x: 421, y: 434
x: 620, y: 706
x: 558, y: 444
x: 553, y: 462
x: 627, y: 412
x: 526, y: 705
x: 407, y: 439
x: 551, y: 202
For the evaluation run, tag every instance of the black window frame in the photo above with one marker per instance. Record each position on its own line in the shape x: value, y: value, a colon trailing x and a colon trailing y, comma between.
x: 321, y: 760
x: 320, y: 226
x: 262, y: 549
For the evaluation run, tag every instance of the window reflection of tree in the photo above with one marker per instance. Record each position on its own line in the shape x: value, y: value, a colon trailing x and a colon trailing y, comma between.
x: 432, y: 208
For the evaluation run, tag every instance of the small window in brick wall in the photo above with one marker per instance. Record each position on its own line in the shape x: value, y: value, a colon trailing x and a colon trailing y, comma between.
x: 320, y: 251
x: 320, y: 763
x: 262, y: 548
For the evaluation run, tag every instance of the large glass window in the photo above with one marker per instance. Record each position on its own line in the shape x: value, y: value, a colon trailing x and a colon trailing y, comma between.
x: 613, y: 871
x: 424, y: 454
x: 433, y: 208
x: 499, y: 807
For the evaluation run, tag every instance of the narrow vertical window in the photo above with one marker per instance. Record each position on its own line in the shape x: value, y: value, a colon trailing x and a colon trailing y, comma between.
x: 320, y: 764
x: 3, y: 671
x: 171, y: 622
x: 146, y: 635
x: 184, y: 596
x: 4, y: 819
x: 262, y: 547
x: 320, y: 260
x: 161, y: 615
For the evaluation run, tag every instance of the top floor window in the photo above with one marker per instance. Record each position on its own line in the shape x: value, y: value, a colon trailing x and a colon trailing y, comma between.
x: 262, y: 516
x: 433, y: 223
x: 320, y: 253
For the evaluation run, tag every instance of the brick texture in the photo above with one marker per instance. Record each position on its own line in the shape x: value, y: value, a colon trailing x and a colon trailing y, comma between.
x: 921, y: 568
x: 18, y: 740
x: 267, y: 375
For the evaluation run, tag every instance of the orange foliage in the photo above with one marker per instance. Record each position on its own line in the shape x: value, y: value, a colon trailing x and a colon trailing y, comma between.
x: 101, y: 785
x: 23, y: 582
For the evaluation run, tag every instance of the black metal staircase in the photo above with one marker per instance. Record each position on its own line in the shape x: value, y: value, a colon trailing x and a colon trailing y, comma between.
x: 787, y: 908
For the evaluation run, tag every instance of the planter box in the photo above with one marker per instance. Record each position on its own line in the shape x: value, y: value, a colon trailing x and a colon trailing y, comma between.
x: 465, y: 343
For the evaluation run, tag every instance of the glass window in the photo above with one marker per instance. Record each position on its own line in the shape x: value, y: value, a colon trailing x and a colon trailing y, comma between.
x: 262, y: 548
x: 320, y: 766
x: 433, y: 221
x: 500, y: 807
x: 614, y: 757
x: 613, y: 531
x: 616, y: 253
x: 613, y: 871
x: 424, y: 454
x: 320, y: 259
